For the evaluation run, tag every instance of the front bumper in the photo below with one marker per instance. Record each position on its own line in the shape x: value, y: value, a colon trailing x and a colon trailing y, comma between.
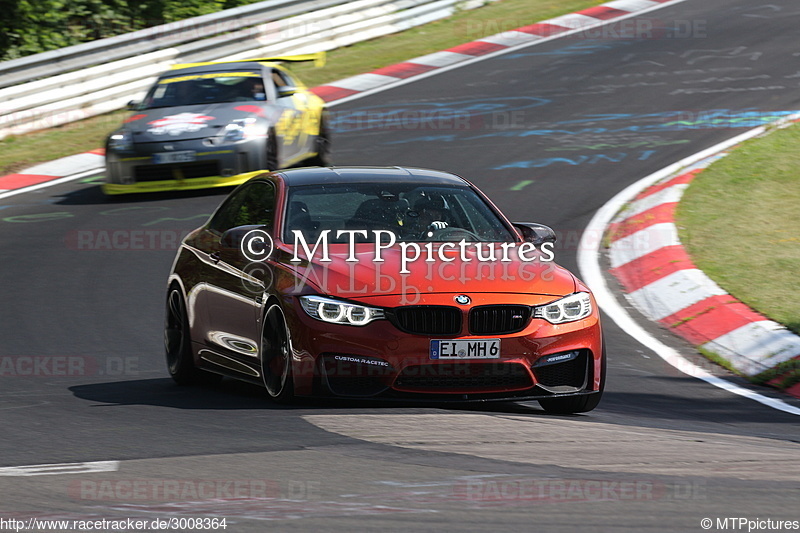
x: 218, y: 166
x: 380, y: 361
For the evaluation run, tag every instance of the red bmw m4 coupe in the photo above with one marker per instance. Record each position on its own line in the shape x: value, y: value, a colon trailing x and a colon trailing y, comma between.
x: 390, y: 283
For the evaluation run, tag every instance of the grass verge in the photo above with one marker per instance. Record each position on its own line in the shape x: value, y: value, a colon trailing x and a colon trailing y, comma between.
x: 18, y: 152
x: 740, y: 223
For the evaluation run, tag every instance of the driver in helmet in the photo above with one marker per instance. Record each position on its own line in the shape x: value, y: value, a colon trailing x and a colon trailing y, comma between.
x: 431, y: 215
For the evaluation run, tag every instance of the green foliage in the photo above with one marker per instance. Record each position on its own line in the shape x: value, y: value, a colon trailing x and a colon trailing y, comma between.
x: 34, y: 26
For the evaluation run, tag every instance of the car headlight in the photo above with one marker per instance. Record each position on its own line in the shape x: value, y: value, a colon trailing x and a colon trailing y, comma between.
x: 568, y: 309
x: 242, y: 129
x: 122, y: 140
x: 338, y: 312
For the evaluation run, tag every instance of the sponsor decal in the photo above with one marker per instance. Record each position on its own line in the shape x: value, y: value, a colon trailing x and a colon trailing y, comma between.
x: 249, y: 108
x: 134, y: 118
x: 177, y: 124
x: 360, y: 360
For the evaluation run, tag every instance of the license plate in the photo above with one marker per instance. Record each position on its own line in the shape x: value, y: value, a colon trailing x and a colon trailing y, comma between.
x: 465, y: 349
x: 185, y: 156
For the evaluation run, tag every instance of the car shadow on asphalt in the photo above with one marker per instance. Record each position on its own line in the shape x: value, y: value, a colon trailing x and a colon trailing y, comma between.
x: 232, y: 394
x: 93, y: 195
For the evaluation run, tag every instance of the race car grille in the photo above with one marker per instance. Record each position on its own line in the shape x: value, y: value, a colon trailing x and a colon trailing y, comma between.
x: 427, y: 319
x: 200, y: 169
x: 498, y: 319
x: 464, y: 377
x: 570, y: 373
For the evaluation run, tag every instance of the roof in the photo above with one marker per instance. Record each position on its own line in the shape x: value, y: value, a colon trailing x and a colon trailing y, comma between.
x: 327, y: 175
x: 210, y: 66
x: 193, y: 68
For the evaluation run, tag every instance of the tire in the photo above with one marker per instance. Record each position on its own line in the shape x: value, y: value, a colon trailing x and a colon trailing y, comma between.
x: 271, y: 160
x: 323, y: 146
x: 577, y: 404
x: 178, y: 344
x: 276, y: 356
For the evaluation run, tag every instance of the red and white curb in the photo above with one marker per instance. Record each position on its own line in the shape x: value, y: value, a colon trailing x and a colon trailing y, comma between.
x: 45, y: 173
x: 662, y: 282
x: 382, y: 78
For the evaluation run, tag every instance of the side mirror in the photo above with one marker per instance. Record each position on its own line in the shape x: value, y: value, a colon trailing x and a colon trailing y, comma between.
x: 134, y: 105
x: 536, y: 233
x: 232, y: 238
x: 283, y: 92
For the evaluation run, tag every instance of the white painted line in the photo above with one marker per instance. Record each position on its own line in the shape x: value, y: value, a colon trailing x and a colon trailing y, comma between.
x: 676, y: 291
x: 643, y: 242
x: 757, y: 346
x: 669, y: 195
x: 59, y: 469
x: 589, y: 264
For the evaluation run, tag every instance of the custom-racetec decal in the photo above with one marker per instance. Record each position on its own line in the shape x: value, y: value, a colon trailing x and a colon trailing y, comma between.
x: 360, y: 360
x: 177, y: 124
x: 209, y: 76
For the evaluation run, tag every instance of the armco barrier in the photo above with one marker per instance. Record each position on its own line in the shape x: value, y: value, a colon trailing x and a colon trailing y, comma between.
x: 53, y: 88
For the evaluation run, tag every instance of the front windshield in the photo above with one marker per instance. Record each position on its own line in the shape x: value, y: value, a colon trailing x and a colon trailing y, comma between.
x: 413, y: 212
x: 206, y: 88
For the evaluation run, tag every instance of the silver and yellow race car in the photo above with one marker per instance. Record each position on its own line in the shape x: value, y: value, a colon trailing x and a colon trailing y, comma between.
x: 213, y: 124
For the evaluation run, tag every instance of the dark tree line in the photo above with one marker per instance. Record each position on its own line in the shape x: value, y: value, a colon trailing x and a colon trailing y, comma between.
x: 32, y: 26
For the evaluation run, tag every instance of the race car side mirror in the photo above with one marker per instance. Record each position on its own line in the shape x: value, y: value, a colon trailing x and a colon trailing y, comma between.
x: 536, y: 233
x: 234, y: 238
x: 283, y: 92
x: 134, y: 105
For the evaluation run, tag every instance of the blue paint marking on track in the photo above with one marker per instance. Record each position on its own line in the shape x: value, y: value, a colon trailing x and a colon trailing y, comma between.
x: 670, y: 121
x: 591, y: 159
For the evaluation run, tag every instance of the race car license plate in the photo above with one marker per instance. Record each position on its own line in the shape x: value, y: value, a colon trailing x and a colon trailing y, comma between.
x: 465, y: 349
x: 184, y: 156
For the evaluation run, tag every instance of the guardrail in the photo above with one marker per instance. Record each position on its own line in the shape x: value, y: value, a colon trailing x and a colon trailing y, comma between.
x: 61, y: 86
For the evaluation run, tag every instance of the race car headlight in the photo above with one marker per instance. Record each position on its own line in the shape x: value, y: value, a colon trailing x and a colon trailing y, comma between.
x: 338, y: 312
x: 241, y: 130
x: 568, y: 309
x: 122, y: 140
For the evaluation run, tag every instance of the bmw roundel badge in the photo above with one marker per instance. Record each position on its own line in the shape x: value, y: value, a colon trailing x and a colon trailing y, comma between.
x: 462, y: 299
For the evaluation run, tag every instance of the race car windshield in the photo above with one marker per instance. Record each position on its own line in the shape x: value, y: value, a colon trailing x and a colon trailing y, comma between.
x: 206, y: 88
x: 413, y: 212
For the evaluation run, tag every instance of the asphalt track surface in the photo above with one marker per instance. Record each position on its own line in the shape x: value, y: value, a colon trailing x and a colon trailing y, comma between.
x: 550, y: 132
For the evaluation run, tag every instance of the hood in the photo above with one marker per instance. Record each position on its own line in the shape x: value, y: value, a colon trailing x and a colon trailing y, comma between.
x: 189, y: 122
x: 367, y: 278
